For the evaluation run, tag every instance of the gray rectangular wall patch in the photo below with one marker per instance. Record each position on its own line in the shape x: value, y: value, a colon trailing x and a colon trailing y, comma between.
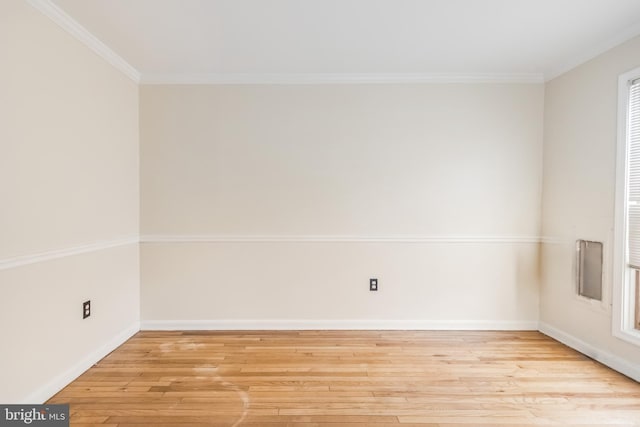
x: 589, y: 269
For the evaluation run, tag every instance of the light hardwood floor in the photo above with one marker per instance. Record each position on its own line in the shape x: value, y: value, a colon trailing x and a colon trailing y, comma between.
x: 350, y: 378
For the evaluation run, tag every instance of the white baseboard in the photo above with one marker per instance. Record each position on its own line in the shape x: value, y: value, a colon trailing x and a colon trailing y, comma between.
x: 616, y: 363
x: 59, y: 382
x: 358, y: 324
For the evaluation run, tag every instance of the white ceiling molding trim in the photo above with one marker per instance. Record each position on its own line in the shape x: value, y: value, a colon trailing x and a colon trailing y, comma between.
x: 365, y: 78
x: 335, y: 239
x: 70, y: 25
x: 624, y: 36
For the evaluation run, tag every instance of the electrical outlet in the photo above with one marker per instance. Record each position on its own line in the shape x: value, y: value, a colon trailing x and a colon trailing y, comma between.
x: 373, y: 284
x: 86, y: 309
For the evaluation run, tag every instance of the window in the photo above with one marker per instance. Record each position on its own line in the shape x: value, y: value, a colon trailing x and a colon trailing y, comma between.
x: 637, y: 300
x: 626, y: 300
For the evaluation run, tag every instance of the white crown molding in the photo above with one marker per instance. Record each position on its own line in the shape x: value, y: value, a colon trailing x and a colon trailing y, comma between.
x: 70, y: 25
x: 329, y: 78
x: 616, y: 363
x: 18, y: 261
x: 65, y: 378
x: 595, y: 50
x: 335, y: 239
x: 338, y: 324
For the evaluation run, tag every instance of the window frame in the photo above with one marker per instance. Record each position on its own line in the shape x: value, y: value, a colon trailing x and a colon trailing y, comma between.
x: 623, y: 307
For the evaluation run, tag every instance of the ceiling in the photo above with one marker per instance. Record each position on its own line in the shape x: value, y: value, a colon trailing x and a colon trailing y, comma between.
x: 244, y: 40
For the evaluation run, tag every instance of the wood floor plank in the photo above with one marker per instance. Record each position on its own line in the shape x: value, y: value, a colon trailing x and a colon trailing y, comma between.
x: 349, y: 378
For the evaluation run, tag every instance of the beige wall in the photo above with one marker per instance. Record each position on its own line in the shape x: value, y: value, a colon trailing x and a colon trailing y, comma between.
x: 68, y: 178
x: 399, y: 161
x: 325, y: 285
x: 341, y: 159
x: 579, y: 190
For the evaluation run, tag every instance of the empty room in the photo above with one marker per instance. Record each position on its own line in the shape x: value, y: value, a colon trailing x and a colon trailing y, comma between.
x: 320, y: 212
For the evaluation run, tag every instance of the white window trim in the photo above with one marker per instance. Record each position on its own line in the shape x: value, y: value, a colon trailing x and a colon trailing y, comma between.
x: 622, y: 309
